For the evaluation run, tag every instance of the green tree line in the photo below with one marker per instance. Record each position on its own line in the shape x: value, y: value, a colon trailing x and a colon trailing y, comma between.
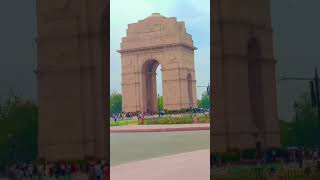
x: 18, y: 130
x: 304, y: 128
x: 116, y: 102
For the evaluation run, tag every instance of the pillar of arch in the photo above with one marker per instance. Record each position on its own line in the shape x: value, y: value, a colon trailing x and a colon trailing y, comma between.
x: 149, y: 42
x: 244, y: 84
x: 72, y: 79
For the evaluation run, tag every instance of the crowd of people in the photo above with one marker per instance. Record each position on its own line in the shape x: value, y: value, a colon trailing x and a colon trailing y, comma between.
x: 117, y: 116
x: 288, y: 156
x: 121, y: 116
x: 289, y: 163
x: 299, y: 155
x: 94, y: 170
x: 141, y: 115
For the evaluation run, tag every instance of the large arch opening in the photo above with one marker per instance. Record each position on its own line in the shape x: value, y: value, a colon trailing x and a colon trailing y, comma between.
x: 255, y: 81
x: 151, y: 88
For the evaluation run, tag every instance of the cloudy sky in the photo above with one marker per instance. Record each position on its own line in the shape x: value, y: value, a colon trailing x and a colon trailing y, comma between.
x: 296, y: 34
x: 195, y: 15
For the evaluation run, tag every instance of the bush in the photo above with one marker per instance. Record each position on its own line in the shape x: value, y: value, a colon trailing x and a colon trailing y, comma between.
x: 203, y: 119
x: 124, y: 123
x: 168, y: 120
x: 18, y: 131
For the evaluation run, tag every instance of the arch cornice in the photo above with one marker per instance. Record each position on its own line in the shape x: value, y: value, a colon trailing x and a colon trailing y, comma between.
x: 157, y: 47
x: 241, y: 57
x: 245, y: 24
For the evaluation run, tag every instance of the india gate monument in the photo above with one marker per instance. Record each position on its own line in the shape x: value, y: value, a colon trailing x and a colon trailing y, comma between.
x: 244, y: 80
x: 72, y: 78
x: 154, y: 41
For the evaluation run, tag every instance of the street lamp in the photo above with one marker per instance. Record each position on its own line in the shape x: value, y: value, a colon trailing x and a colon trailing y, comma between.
x: 314, y: 90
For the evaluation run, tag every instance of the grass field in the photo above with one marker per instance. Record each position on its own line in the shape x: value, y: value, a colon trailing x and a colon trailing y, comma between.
x: 124, y: 123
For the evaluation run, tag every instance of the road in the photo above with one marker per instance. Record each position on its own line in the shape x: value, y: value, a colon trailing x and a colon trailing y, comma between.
x: 129, y: 147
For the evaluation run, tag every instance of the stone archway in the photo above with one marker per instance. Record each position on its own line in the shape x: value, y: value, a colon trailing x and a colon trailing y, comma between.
x: 244, y: 85
x: 148, y: 77
x: 73, y: 79
x: 153, y: 40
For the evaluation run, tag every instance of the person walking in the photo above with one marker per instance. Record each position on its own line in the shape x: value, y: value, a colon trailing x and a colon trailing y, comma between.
x: 91, y: 172
x: 106, y: 171
x: 142, y: 118
x: 98, y: 170
x: 315, y: 156
x: 34, y: 171
x: 29, y: 171
x: 139, y: 118
x: 300, y: 158
x: 40, y: 171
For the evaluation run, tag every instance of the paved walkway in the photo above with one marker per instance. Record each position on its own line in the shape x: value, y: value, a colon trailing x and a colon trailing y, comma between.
x: 184, y: 166
x: 159, y: 128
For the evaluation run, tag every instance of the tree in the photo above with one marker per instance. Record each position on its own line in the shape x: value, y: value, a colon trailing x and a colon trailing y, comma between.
x: 8, y: 105
x: 304, y: 128
x: 204, y: 102
x: 115, y: 102
x: 160, y: 103
x: 18, y: 130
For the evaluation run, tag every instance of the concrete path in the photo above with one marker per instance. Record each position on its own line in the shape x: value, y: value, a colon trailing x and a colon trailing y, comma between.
x: 186, y: 166
x: 160, y: 128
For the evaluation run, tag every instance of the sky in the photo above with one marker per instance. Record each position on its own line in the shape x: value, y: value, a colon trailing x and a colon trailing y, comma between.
x: 197, y: 20
x: 18, y: 48
x: 296, y: 37
x: 296, y: 45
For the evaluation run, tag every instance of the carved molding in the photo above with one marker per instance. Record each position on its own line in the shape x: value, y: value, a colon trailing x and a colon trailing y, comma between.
x: 71, y: 37
x: 157, y: 47
x: 240, y: 57
x: 65, y: 69
x: 181, y: 79
x: 55, y: 7
x: 248, y: 24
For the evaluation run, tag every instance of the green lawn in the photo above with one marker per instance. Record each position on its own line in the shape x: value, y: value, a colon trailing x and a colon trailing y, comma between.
x: 124, y: 123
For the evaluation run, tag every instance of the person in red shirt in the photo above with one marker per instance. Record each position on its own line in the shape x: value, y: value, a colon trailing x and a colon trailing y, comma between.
x: 106, y: 171
x: 142, y: 118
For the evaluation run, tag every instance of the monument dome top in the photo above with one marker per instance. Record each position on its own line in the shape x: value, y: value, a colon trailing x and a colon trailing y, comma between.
x: 155, y: 15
